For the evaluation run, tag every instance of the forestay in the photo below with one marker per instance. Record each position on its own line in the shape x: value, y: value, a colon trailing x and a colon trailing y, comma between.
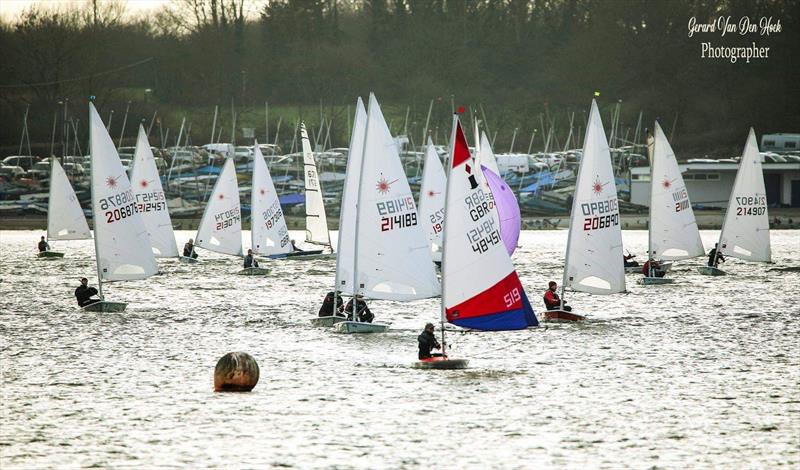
x: 65, y: 218
x: 745, y: 230
x: 345, y: 257
x: 121, y: 242
x: 150, y: 199
x: 393, y: 258
x: 221, y: 226
x: 431, y: 197
x: 673, y: 228
x: 481, y: 289
x: 594, y: 246
x: 506, y: 207
x: 316, y: 222
x: 269, y: 234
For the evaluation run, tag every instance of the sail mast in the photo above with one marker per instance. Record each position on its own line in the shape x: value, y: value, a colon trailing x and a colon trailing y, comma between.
x: 93, y: 191
x: 444, y: 227
x: 359, y: 207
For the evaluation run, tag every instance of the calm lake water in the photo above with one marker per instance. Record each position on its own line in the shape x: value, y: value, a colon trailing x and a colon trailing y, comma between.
x: 699, y: 374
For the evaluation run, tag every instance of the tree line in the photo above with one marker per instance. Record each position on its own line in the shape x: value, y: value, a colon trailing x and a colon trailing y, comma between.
x: 526, y: 64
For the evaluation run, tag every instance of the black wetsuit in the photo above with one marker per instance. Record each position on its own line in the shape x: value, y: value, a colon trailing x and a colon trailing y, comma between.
x: 84, y: 295
x: 188, y: 251
x: 364, y: 315
x: 328, y: 309
x: 43, y: 246
x: 427, y: 341
x: 711, y: 255
x: 250, y: 262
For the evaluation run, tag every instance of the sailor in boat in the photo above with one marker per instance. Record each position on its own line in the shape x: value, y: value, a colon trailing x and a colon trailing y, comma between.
x: 188, y: 249
x: 713, y: 258
x: 329, y: 308
x: 652, y: 268
x: 84, y: 293
x: 551, y: 299
x: 427, y: 342
x: 364, y: 315
x: 295, y: 248
x: 250, y: 260
x: 43, y: 245
x: 629, y: 261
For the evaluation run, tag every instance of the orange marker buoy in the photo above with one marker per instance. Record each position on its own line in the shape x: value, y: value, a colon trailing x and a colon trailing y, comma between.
x: 236, y: 372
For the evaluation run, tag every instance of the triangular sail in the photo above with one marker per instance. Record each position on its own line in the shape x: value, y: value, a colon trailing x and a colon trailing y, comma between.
x: 506, y: 207
x: 673, y: 228
x: 221, y: 226
x: 745, y: 231
x: 151, y: 200
x: 393, y: 258
x: 485, y: 157
x: 481, y: 289
x: 121, y: 242
x: 594, y: 246
x: 316, y: 222
x: 65, y: 218
x: 269, y: 234
x: 345, y: 257
x: 431, y: 198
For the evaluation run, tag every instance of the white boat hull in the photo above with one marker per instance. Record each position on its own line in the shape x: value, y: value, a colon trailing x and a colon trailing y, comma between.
x: 710, y: 271
x: 105, y: 306
x: 327, y: 322
x: 360, y: 327
x: 253, y: 272
x: 652, y: 281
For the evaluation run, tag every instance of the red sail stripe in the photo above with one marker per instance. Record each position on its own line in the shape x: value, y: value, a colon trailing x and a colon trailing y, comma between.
x: 491, y: 301
x: 460, y: 148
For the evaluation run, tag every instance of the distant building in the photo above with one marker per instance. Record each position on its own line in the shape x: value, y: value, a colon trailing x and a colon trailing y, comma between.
x: 709, y: 183
x: 780, y: 143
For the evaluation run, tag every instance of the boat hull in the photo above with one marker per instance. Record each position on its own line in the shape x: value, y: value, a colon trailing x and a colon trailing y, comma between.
x: 352, y: 327
x: 327, y: 322
x: 49, y: 254
x: 654, y: 281
x: 186, y: 259
x: 562, y: 316
x: 253, y: 272
x: 304, y: 255
x: 441, y: 363
x: 710, y: 271
x: 106, y: 307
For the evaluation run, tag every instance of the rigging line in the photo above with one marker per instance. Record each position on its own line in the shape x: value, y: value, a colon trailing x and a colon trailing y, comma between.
x: 85, y: 77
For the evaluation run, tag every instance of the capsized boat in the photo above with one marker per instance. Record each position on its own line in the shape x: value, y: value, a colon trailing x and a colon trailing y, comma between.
x: 673, y: 233
x: 745, y: 229
x: 593, y: 260
x: 122, y: 246
x: 65, y: 218
x: 387, y: 255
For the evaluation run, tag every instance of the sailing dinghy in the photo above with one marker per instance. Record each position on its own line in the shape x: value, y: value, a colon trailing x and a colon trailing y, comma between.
x: 122, y: 246
x: 593, y: 260
x: 65, y: 218
x: 391, y: 257
x: 745, y: 229
x: 269, y: 235
x: 151, y: 201
x: 480, y: 287
x: 431, y: 200
x: 673, y: 233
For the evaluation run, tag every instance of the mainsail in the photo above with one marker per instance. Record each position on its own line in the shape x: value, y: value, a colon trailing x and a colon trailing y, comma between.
x: 392, y: 255
x: 221, y: 226
x: 121, y: 242
x: 481, y: 289
x: 269, y: 234
x: 316, y: 222
x: 431, y: 197
x: 65, y: 218
x: 594, y: 246
x: 745, y: 230
x: 673, y: 228
x: 150, y: 199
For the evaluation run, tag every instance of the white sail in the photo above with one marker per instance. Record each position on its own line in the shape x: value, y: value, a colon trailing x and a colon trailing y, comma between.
x: 393, y: 259
x: 487, y: 155
x: 345, y: 257
x: 745, y: 231
x: 594, y: 247
x: 121, y: 242
x: 431, y: 198
x: 151, y: 200
x: 269, y: 234
x: 673, y: 228
x: 65, y: 218
x: 221, y: 226
x: 316, y: 222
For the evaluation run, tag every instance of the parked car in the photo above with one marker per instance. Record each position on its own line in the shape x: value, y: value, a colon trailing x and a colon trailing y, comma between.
x: 11, y: 171
x: 26, y: 163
